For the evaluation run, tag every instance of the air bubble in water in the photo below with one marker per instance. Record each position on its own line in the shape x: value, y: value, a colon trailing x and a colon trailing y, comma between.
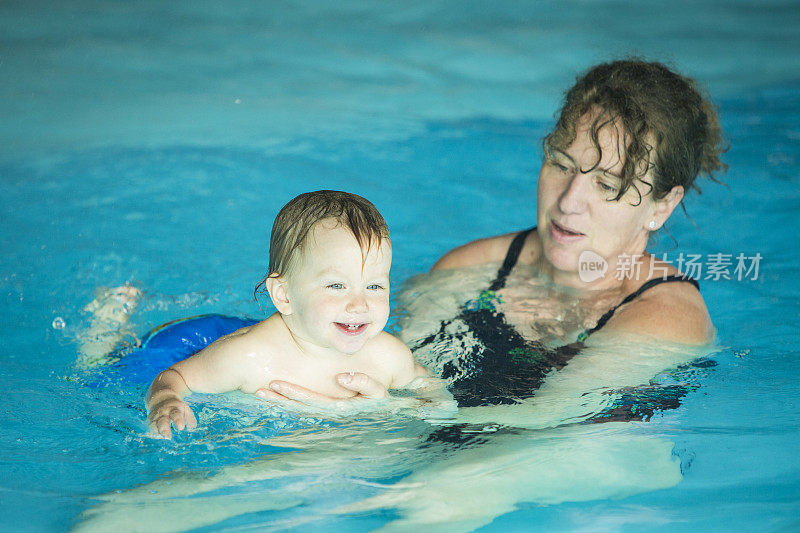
x: 58, y: 323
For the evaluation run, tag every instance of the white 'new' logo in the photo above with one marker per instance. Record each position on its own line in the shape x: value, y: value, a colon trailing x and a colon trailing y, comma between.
x: 591, y: 266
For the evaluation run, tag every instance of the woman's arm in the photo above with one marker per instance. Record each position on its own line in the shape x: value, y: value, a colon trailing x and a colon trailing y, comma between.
x: 592, y: 381
x: 391, y: 358
x: 429, y: 397
x: 364, y: 386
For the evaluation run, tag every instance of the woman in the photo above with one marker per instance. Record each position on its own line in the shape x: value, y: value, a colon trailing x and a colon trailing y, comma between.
x: 630, y: 141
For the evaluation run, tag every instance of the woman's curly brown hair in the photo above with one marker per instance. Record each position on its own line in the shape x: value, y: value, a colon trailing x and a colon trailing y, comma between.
x: 658, y: 111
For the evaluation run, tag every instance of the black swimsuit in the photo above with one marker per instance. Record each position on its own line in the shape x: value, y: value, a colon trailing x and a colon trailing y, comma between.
x: 504, y: 367
x: 499, y: 366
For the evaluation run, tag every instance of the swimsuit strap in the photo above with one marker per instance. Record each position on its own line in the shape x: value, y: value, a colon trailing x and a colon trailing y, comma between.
x: 632, y: 296
x: 512, y: 256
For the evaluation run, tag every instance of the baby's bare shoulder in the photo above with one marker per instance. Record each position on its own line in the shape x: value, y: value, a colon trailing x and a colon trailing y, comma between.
x: 386, y: 343
x: 252, y: 355
x: 391, y: 356
x: 244, y: 347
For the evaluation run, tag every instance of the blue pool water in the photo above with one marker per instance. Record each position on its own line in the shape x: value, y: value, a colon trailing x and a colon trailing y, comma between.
x: 153, y: 144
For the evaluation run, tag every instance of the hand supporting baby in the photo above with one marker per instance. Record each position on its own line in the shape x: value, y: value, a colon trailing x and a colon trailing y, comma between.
x: 429, y: 397
x: 363, y: 385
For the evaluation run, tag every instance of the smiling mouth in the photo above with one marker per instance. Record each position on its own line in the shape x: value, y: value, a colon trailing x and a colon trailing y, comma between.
x: 351, y: 329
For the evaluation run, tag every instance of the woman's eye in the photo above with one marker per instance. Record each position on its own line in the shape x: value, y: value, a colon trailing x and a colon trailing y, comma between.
x: 559, y: 166
x: 606, y: 187
x: 375, y: 287
x: 336, y: 286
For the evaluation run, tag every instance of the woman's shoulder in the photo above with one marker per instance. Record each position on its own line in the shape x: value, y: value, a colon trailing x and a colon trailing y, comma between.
x: 669, y: 308
x: 480, y: 251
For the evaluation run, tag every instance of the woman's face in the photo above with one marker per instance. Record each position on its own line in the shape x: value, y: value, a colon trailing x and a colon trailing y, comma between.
x: 576, y: 210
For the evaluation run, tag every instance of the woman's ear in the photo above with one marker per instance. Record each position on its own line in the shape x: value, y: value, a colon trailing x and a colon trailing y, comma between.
x: 665, y: 206
x: 278, y: 292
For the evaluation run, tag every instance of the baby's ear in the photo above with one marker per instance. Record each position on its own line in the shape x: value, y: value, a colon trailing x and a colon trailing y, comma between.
x: 277, y: 289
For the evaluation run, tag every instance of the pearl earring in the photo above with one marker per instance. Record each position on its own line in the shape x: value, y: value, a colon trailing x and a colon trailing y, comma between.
x: 652, y: 224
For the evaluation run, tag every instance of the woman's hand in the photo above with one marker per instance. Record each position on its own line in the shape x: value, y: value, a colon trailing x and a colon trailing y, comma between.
x: 363, y: 385
x: 426, y: 397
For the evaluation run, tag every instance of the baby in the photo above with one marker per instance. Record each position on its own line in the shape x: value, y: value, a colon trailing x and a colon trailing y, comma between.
x: 329, y: 260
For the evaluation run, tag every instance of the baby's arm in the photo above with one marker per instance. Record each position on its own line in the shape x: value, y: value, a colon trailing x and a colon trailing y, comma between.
x: 221, y: 367
x: 165, y: 405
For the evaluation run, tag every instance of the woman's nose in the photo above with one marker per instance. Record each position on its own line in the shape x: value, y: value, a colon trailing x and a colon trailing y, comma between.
x: 573, y: 197
x: 357, y: 303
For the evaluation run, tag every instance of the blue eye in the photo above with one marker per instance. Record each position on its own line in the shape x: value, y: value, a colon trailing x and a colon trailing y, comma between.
x: 336, y: 286
x: 375, y: 287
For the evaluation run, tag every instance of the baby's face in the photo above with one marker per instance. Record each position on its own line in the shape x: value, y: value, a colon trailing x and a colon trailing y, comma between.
x: 337, y: 299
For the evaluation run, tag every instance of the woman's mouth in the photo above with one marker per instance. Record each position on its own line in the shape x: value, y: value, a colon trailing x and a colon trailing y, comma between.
x: 351, y: 328
x: 564, y: 234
